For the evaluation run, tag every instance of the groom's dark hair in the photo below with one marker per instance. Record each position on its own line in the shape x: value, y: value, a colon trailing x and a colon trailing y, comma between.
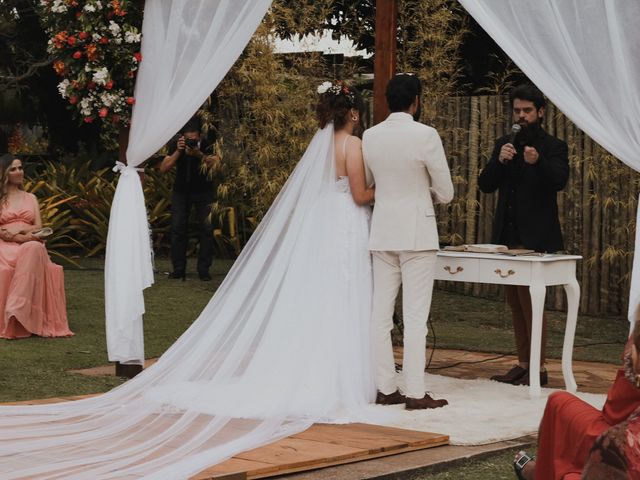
x: 402, y: 91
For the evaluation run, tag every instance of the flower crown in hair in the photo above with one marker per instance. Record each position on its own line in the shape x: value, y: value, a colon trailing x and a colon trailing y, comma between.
x: 338, y: 88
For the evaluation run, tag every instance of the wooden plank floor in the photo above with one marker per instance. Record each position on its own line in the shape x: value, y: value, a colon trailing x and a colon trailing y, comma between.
x: 322, y: 446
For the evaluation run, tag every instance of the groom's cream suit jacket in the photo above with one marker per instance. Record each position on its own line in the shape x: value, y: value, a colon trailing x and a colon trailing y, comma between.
x: 406, y: 161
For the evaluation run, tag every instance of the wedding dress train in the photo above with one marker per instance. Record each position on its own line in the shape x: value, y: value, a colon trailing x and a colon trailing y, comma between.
x: 283, y: 343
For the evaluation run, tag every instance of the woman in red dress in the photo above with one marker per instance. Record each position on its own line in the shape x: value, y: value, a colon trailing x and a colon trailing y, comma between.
x: 32, y: 300
x: 578, y: 441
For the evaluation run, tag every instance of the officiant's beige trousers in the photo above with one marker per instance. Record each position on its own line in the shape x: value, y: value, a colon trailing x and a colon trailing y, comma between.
x: 415, y: 271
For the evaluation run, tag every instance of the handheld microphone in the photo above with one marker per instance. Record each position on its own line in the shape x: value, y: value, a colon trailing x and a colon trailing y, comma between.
x: 515, y: 129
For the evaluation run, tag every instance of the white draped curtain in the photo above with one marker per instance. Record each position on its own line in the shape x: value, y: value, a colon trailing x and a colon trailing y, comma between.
x: 585, y: 56
x: 187, y: 48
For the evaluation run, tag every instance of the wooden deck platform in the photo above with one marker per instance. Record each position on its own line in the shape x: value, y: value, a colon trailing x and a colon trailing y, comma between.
x: 320, y: 446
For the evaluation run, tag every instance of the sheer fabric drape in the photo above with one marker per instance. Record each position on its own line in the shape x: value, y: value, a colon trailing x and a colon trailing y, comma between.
x: 585, y: 56
x: 187, y: 48
x: 284, y: 342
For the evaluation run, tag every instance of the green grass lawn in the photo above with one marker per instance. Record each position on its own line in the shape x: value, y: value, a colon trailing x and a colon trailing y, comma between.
x: 492, y: 467
x: 38, y: 368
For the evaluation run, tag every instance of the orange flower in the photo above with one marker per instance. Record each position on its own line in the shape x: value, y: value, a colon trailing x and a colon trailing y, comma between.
x: 104, y: 111
x: 92, y: 51
x: 58, y: 66
x: 60, y: 39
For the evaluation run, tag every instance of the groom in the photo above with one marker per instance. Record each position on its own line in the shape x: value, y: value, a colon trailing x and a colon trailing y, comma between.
x: 406, y: 161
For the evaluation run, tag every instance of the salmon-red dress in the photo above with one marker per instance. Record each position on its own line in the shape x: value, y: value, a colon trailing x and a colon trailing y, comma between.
x: 570, y: 428
x: 32, y: 299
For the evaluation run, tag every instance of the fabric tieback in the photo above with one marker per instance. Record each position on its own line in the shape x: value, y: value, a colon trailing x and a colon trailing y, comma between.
x: 121, y: 167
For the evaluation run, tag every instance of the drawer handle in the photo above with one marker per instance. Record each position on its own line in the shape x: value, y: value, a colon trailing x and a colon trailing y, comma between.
x: 505, y: 275
x: 458, y: 270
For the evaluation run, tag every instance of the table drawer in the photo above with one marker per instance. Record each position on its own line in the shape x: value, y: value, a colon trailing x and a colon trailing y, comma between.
x: 457, y: 269
x: 505, y: 272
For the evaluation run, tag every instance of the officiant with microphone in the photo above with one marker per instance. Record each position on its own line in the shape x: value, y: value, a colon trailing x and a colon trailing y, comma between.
x: 528, y: 168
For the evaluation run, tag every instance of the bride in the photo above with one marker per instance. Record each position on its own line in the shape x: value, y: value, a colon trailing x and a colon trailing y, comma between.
x: 283, y: 343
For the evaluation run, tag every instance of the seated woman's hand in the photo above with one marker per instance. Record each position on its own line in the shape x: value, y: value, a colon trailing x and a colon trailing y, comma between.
x: 6, y: 235
x: 26, y: 237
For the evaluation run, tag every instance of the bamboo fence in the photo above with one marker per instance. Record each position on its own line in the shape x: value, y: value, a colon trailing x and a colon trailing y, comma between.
x: 597, y: 207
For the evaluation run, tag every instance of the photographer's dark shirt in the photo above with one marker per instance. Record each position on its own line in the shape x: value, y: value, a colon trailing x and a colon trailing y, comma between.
x: 190, y: 177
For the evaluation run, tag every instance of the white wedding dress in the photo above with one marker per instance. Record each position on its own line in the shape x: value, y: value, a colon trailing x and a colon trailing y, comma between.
x: 284, y: 342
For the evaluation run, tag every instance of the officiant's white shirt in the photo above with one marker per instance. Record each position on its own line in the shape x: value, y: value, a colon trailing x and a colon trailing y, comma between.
x: 406, y: 161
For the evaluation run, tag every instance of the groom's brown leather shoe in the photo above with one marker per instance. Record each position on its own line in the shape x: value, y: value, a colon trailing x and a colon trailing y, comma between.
x: 395, y: 398
x: 424, y: 402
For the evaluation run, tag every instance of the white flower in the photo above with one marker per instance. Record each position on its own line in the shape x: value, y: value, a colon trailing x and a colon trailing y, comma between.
x: 98, y: 5
x: 58, y: 6
x: 114, y: 28
x: 132, y: 36
x: 87, y: 67
x: 101, y: 75
x: 96, y: 37
x: 107, y: 99
x: 85, y: 107
x: 324, y: 87
x: 62, y: 87
x: 89, y: 8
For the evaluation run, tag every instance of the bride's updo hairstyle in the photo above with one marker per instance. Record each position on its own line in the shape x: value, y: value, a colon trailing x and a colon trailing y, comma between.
x: 336, y: 99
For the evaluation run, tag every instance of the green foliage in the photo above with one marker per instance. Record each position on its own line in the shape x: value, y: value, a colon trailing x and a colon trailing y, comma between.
x: 75, y: 201
x: 266, y: 107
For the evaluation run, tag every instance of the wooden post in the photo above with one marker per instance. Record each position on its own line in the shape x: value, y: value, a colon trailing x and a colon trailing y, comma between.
x: 385, y: 55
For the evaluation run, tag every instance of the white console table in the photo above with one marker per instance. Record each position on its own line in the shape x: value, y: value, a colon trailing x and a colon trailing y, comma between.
x: 537, y: 272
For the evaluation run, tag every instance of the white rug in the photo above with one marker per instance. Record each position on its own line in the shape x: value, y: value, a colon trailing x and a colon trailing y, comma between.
x: 480, y: 411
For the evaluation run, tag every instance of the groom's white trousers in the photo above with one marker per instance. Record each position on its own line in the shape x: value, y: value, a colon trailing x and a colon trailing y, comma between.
x: 415, y: 271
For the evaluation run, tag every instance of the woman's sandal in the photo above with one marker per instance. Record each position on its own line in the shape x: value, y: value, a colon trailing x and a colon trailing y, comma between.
x: 522, y: 460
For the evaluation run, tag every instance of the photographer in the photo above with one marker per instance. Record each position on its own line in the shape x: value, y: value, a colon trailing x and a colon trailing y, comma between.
x: 194, y: 159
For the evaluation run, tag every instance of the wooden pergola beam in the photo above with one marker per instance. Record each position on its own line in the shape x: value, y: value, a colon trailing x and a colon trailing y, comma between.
x: 384, y: 66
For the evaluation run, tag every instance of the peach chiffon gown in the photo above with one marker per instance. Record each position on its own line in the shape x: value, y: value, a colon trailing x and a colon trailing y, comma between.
x: 32, y: 299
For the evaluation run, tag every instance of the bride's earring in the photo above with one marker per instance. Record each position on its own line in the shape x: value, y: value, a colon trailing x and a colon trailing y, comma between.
x: 637, y: 380
x: 354, y: 118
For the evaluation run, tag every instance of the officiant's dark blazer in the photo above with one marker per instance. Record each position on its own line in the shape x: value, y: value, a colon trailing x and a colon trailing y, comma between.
x: 529, y: 191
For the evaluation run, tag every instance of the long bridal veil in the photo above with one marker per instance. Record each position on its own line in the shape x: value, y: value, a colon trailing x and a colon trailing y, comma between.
x: 264, y: 360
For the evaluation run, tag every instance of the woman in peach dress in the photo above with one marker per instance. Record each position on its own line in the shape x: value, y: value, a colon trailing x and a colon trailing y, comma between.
x: 32, y: 300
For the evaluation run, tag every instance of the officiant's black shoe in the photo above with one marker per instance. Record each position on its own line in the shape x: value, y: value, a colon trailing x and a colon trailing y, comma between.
x: 524, y: 380
x: 395, y: 398
x: 204, y: 276
x: 425, y: 402
x: 513, y: 375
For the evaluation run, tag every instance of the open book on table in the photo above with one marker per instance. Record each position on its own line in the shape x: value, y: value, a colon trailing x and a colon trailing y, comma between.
x: 489, y: 248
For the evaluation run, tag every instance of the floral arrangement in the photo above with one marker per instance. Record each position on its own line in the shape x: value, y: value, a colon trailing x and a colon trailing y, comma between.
x: 337, y: 88
x: 96, y: 46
